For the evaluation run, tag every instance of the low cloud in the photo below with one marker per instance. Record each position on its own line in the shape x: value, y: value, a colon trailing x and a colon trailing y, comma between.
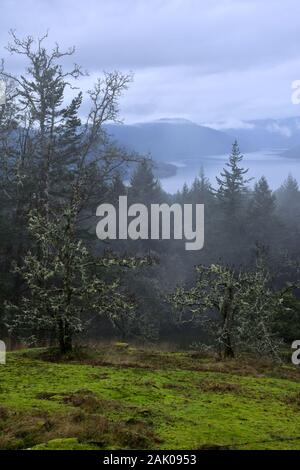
x: 209, y: 61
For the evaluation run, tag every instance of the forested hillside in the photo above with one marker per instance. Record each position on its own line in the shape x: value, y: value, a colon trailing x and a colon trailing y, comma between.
x: 61, y: 285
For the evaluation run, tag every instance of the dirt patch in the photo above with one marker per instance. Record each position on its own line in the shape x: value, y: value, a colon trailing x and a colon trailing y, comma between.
x: 219, y: 387
x: 214, y: 447
x: 91, y: 403
x: 293, y: 400
x: 136, y: 435
x: 4, y: 413
x: 23, y: 431
x: 171, y: 386
x: 83, y: 399
x: 46, y: 395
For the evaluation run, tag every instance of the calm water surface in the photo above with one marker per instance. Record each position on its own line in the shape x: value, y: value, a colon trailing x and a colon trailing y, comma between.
x: 268, y: 163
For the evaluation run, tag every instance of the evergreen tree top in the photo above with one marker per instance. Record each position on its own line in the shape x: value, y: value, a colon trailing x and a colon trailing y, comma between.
x: 232, y: 178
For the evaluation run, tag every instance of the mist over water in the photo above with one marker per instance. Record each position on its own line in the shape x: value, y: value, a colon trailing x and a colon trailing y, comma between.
x: 268, y: 163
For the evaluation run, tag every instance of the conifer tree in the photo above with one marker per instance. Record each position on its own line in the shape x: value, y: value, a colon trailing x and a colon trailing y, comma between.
x: 261, y: 211
x: 288, y: 197
x: 201, y: 191
x: 184, y: 195
x: 232, y: 184
x: 144, y: 187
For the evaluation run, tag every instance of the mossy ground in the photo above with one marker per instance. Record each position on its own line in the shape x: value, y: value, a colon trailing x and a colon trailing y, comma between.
x: 118, y: 397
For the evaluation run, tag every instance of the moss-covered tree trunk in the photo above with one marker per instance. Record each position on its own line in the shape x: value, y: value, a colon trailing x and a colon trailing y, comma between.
x: 227, y: 315
x: 65, y: 338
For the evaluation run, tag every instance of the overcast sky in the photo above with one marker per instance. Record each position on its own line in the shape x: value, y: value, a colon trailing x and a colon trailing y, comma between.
x: 210, y: 61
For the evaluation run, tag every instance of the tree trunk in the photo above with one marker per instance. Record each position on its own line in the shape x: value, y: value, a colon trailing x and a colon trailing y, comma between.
x: 227, y: 313
x: 65, y: 338
x: 228, y: 349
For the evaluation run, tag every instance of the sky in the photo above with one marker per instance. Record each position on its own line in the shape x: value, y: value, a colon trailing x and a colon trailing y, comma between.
x: 218, y: 62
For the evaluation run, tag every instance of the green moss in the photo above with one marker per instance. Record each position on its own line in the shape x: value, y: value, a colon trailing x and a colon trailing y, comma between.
x: 135, y: 401
x: 64, y: 444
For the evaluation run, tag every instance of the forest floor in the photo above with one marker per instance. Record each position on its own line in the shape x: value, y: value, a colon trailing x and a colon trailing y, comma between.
x: 122, y: 397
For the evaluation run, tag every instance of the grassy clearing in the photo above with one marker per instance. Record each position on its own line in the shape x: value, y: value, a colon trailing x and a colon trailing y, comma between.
x: 118, y: 397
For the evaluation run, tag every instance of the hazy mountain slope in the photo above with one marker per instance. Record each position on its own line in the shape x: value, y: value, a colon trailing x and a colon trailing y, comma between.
x: 268, y: 133
x: 294, y: 152
x: 171, y: 140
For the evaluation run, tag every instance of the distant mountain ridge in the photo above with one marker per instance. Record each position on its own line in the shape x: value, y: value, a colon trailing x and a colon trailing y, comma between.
x: 168, y: 140
x: 293, y: 153
x: 263, y: 134
x: 176, y: 140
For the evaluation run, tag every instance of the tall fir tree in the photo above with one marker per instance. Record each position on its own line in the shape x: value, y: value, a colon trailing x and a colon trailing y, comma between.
x: 144, y: 187
x: 288, y: 211
x: 232, y: 184
x: 230, y: 214
x: 288, y: 198
x: 261, y: 212
x: 201, y: 191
